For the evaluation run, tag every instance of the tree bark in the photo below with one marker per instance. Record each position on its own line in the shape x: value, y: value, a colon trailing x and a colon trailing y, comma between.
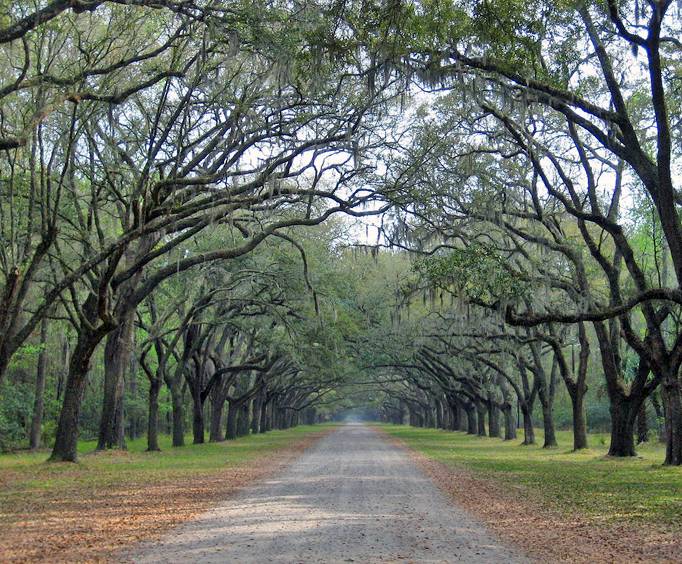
x: 197, y: 418
x: 178, y: 416
x: 215, y: 433
x: 624, y: 402
x: 117, y: 353
x: 256, y: 415
x: 39, y: 396
x: 528, y: 430
x: 509, y: 423
x: 623, y: 416
x: 131, y: 380
x: 660, y: 416
x: 480, y: 418
x: 264, y: 425
x: 579, y: 421
x: 439, y: 414
x: 548, y: 424
x: 231, y: 425
x: 66, y: 440
x: 672, y: 399
x: 472, y: 425
x: 493, y: 419
x: 153, y: 415
x: 243, y: 419
x: 642, y: 425
x: 464, y: 423
x: 270, y: 416
x: 546, y: 392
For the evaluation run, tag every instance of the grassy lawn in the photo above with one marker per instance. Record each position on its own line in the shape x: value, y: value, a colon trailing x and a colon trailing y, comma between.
x: 26, y: 478
x: 636, y: 490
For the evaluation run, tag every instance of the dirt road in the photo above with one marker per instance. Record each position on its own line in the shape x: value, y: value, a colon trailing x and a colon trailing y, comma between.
x: 353, y: 497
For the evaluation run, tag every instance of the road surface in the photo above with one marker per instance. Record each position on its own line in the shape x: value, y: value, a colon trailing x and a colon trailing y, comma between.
x: 353, y: 497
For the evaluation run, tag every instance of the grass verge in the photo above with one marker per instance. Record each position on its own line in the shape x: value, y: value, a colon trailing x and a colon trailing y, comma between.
x: 549, y: 501
x: 109, y: 500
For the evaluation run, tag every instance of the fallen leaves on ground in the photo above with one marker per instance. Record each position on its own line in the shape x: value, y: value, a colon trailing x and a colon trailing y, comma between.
x: 542, y: 534
x: 92, y: 526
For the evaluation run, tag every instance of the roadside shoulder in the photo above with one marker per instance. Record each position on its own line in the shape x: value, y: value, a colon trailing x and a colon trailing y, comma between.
x: 538, y: 531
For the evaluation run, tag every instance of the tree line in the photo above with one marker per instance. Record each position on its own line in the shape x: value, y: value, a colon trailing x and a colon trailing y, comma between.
x: 539, y: 184
x: 145, y: 143
x: 527, y: 154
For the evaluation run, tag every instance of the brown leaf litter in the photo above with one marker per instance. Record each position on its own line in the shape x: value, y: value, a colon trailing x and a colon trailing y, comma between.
x: 542, y: 533
x: 92, y: 526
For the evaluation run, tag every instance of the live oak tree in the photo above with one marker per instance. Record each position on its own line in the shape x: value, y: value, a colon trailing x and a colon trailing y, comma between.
x: 157, y: 159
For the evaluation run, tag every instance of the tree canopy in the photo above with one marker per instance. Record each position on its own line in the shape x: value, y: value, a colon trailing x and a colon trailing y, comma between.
x: 249, y: 214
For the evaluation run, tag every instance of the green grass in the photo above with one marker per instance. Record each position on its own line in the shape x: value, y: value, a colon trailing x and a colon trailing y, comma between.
x: 24, y: 476
x: 636, y: 490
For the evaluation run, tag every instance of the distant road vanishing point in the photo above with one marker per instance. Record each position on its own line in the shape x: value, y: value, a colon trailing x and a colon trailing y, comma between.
x: 353, y: 497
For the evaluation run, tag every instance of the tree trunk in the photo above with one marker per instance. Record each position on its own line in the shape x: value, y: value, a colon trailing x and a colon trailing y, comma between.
x: 178, y: 417
x: 427, y: 416
x: 231, y: 427
x: 153, y: 415
x: 243, y: 419
x: 578, y: 391
x: 65, y: 361
x: 66, y: 440
x: 548, y: 424
x: 256, y: 415
x: 455, y: 416
x: 6, y: 353
x: 493, y: 419
x: 197, y: 419
x: 133, y: 422
x: 286, y: 419
x: 264, y: 425
x: 464, y: 422
x: 672, y: 399
x: 579, y: 422
x: 642, y: 425
x: 269, y: 418
x: 480, y: 417
x: 119, y: 416
x: 528, y: 430
x: 509, y: 423
x: 117, y: 353
x: 472, y: 426
x: 215, y: 434
x: 546, y: 393
x: 623, y: 416
x: 439, y: 414
x: 623, y: 404
x: 447, y: 415
x: 660, y: 416
x: 39, y: 397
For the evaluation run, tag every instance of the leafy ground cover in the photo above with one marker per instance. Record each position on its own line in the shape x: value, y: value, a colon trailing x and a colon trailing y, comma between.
x: 556, y: 504
x: 109, y: 500
x: 637, y: 489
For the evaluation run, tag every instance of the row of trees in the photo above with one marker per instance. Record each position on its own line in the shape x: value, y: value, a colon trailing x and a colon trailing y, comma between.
x: 540, y: 182
x: 231, y: 348
x: 534, y: 171
x: 147, y: 147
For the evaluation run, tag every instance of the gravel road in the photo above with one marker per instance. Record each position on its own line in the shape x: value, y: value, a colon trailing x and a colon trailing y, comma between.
x: 353, y: 497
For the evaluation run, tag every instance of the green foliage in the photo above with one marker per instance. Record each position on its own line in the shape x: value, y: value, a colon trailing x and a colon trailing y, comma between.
x: 26, y: 356
x: 477, y: 272
x: 15, y: 414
